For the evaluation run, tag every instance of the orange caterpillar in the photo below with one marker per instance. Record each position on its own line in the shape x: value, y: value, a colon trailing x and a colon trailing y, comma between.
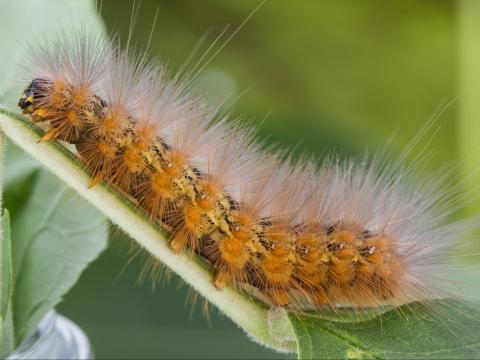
x: 353, y: 233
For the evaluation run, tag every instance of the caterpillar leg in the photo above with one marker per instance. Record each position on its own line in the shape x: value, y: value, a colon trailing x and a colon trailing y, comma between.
x: 182, y: 239
x: 52, y: 134
x: 177, y: 245
x: 221, y: 280
x: 96, y: 179
x: 279, y: 297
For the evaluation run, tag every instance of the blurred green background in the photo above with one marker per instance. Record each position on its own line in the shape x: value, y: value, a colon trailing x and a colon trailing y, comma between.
x: 323, y: 75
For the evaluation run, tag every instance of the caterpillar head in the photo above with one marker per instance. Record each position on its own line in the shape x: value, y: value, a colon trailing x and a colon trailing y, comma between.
x: 30, y: 96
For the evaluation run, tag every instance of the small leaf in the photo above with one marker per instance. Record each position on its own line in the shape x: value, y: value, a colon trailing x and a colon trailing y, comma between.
x: 54, y: 238
x: 440, y: 329
x: 7, y: 341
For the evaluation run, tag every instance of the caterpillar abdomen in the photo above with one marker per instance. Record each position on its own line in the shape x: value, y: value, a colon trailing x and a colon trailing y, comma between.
x: 348, y: 233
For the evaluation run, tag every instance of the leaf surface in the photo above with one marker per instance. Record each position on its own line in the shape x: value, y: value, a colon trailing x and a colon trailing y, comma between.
x: 54, y: 237
x: 443, y: 329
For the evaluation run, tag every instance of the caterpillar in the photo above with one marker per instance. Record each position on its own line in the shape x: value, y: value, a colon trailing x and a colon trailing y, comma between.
x: 293, y: 233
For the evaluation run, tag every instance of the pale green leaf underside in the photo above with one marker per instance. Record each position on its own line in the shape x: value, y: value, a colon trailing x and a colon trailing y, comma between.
x: 54, y: 237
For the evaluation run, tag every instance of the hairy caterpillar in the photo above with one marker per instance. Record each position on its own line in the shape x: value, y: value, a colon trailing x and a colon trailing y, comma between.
x: 354, y: 233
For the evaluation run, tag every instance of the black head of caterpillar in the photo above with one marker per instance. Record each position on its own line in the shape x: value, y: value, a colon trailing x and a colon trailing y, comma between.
x: 347, y: 233
x: 48, y: 101
x: 31, y: 95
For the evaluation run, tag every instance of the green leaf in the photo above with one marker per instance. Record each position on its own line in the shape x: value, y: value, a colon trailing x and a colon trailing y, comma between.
x: 7, y: 340
x: 54, y: 238
x: 441, y: 329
